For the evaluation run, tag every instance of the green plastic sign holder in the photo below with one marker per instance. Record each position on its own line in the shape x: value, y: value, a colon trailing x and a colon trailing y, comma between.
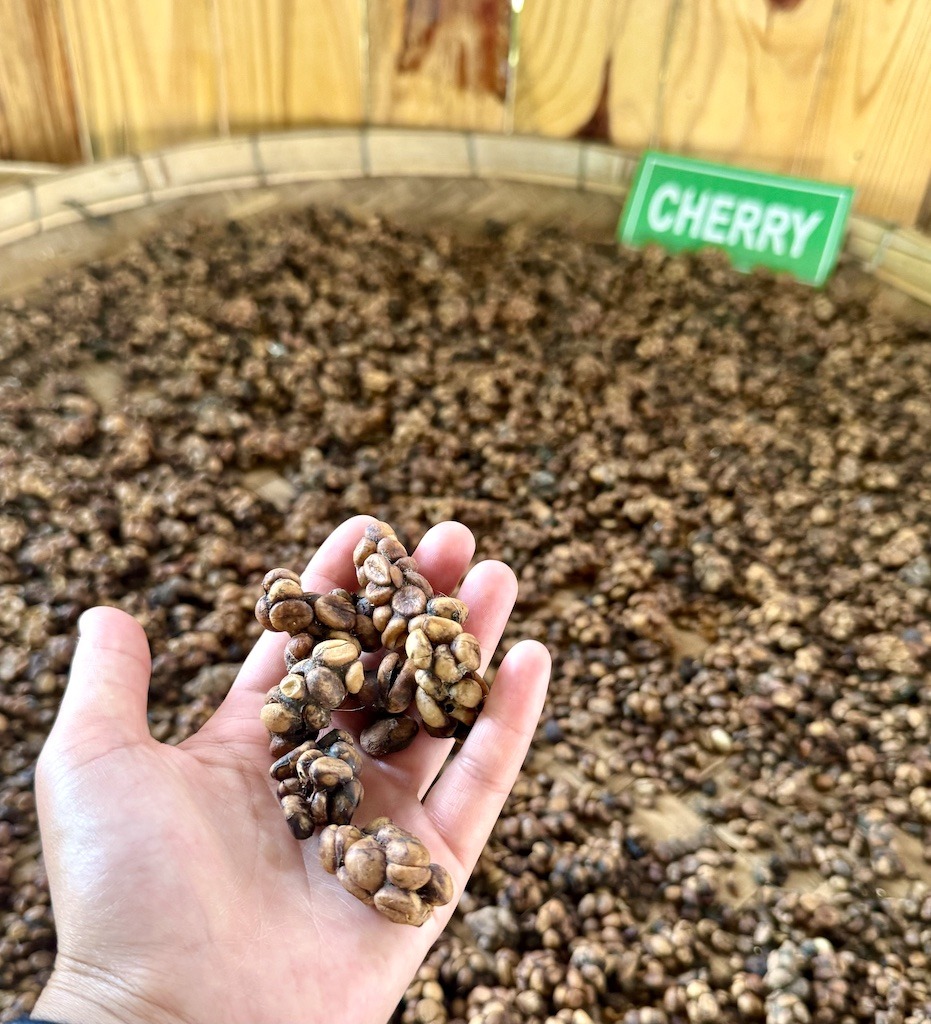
x: 786, y: 224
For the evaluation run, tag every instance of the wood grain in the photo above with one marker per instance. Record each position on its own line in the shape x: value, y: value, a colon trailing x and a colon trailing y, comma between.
x: 37, y: 111
x: 563, y: 53
x: 871, y: 120
x: 636, y: 72
x: 288, y: 62
x: 726, y: 78
x: 440, y: 63
x: 146, y: 73
x: 740, y: 79
x: 591, y: 69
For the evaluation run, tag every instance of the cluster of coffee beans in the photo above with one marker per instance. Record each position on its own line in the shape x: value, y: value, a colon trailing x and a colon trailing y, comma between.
x: 431, y: 664
x: 318, y: 783
x: 387, y: 867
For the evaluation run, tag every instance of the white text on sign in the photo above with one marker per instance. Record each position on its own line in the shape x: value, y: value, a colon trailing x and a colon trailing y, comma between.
x: 720, y: 218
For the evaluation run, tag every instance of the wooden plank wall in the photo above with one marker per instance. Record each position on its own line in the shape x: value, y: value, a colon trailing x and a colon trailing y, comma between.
x: 145, y: 73
x: 441, y: 63
x: 38, y: 107
x: 833, y: 89
x: 285, y: 63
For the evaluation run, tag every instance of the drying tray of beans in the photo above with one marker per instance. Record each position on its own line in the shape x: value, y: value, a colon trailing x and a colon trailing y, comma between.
x: 713, y: 488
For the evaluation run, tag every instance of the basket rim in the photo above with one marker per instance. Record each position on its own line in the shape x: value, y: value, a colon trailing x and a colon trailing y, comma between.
x: 46, y: 199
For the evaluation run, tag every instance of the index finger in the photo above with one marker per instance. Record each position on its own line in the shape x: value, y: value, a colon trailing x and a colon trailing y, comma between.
x: 465, y: 803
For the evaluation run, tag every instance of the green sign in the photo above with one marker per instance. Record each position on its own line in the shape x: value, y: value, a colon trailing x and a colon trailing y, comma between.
x: 758, y: 219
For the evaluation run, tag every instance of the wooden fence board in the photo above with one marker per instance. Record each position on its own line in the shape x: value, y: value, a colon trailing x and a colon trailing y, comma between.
x: 146, y: 73
x: 731, y: 79
x: 636, y: 86
x: 740, y: 79
x: 562, y: 55
x: 288, y: 62
x: 440, y: 63
x: 871, y: 122
x: 591, y: 68
x: 37, y: 113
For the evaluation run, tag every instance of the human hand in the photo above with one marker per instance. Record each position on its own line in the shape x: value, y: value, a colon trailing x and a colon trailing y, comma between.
x: 178, y: 891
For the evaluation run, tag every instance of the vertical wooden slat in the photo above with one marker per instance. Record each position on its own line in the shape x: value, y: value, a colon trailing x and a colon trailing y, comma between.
x: 146, y: 73
x: 37, y: 105
x: 871, y: 122
x: 740, y: 79
x: 289, y: 62
x: 591, y: 68
x: 637, y: 89
x: 563, y: 50
x: 439, y: 62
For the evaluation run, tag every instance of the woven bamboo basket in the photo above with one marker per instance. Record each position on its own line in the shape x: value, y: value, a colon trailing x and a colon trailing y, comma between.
x: 50, y: 220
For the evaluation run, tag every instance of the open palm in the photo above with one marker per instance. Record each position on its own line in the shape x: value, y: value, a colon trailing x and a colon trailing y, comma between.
x: 179, y: 894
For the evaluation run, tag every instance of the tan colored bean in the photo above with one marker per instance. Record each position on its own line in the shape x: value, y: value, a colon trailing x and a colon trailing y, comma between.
x: 291, y: 616
x: 324, y: 686
x: 409, y: 601
x: 418, y: 580
x: 441, y: 631
x: 407, y: 876
x: 335, y: 841
x: 381, y: 616
x: 377, y: 569
x: 366, y: 863
x: 282, y: 589
x: 336, y: 610
x: 467, y: 693
x: 429, y: 684
x: 467, y: 651
x: 445, y: 667
x: 379, y: 594
x: 330, y: 772
x: 350, y: 886
x: 395, y: 633
x: 419, y: 649
x: 449, y: 608
x: 279, y: 719
x: 293, y: 687
x: 336, y: 653
x: 407, y: 851
x: 401, y: 906
x: 355, y: 677
x: 392, y: 548
x: 431, y: 713
x: 273, y: 575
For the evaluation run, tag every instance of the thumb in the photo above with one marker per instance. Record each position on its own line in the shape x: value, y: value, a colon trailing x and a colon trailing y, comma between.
x: 105, y: 699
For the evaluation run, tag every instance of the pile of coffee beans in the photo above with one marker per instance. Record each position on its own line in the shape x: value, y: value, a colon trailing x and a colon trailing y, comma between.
x: 713, y: 488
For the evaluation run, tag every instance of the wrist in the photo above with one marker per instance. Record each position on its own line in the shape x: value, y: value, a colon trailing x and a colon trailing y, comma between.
x: 87, y: 994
